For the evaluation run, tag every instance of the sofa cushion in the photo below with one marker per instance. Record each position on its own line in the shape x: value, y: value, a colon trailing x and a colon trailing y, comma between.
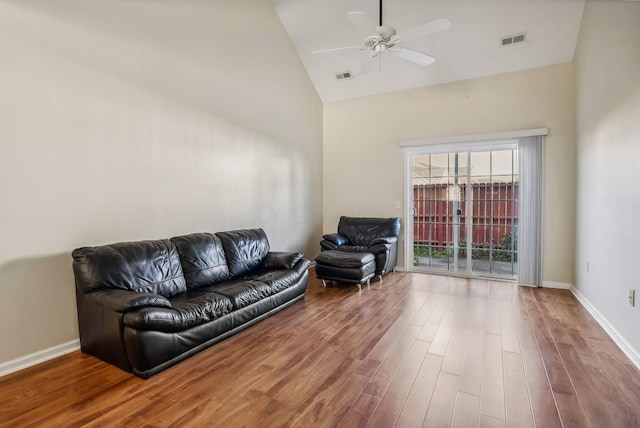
x: 278, y: 280
x: 202, y: 257
x: 145, y: 266
x: 242, y: 292
x: 244, y: 250
x: 187, y: 310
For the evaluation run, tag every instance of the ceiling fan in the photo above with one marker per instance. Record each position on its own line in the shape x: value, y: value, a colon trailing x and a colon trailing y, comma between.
x: 384, y: 38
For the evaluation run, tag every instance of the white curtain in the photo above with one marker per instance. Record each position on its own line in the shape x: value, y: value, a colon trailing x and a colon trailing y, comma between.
x: 530, y: 155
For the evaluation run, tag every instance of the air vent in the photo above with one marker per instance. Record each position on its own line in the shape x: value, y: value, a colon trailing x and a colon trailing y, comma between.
x: 513, y: 39
x: 344, y: 75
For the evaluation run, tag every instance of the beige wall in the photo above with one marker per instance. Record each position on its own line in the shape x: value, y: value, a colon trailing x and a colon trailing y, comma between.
x: 607, y: 68
x: 142, y: 120
x: 363, y: 166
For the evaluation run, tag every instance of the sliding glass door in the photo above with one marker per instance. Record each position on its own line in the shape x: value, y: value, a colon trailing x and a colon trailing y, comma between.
x: 464, y: 211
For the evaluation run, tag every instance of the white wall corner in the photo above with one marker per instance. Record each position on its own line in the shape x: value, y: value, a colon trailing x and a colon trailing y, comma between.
x: 560, y: 285
x: 619, y: 340
x: 38, y: 357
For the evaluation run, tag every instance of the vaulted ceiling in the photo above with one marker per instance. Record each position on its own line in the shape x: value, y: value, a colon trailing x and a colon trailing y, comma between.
x: 471, y: 48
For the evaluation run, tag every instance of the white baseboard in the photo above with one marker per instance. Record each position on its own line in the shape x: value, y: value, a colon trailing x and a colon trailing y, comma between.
x: 619, y: 340
x: 400, y: 269
x: 38, y: 357
x: 560, y: 285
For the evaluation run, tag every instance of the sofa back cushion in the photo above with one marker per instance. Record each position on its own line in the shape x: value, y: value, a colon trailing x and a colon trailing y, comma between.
x: 363, y: 230
x: 145, y: 266
x: 244, y: 249
x: 203, y: 260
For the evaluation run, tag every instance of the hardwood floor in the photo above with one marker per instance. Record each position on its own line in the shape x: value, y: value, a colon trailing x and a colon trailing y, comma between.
x: 415, y: 350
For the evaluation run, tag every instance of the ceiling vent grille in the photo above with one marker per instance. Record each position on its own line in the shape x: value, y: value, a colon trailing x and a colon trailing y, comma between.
x: 344, y: 75
x: 514, y: 39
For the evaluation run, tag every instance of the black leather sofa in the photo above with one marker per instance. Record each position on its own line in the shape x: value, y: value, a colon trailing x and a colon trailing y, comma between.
x: 147, y: 305
x: 378, y: 236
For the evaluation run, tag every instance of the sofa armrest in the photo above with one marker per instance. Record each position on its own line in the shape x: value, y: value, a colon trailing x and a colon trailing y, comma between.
x: 302, y: 265
x: 336, y: 239
x: 280, y: 260
x: 123, y: 300
x: 384, y: 240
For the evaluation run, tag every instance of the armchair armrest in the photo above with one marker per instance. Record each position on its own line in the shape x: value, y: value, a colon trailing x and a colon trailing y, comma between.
x: 123, y: 300
x: 384, y: 240
x: 379, y: 248
x: 336, y: 239
x: 382, y: 245
x: 280, y: 260
x: 327, y: 245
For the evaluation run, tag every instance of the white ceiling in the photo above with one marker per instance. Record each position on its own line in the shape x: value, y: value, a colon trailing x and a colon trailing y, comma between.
x: 469, y: 49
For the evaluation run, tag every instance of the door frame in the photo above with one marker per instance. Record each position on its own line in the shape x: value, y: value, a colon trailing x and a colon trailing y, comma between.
x: 477, y: 142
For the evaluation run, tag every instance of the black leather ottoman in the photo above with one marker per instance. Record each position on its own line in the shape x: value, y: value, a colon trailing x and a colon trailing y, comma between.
x: 345, y: 267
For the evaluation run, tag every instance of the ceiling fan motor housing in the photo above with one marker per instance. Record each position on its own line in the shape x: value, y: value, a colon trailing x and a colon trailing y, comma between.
x: 385, y: 31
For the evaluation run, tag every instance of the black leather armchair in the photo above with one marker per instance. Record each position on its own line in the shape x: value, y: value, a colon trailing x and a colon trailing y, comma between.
x: 378, y: 236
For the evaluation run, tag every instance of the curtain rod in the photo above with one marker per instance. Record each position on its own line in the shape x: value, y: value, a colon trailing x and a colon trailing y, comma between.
x: 477, y: 137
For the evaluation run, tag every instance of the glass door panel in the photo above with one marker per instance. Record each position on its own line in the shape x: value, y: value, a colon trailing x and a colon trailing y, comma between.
x: 465, y: 212
x: 494, y: 222
x: 438, y: 204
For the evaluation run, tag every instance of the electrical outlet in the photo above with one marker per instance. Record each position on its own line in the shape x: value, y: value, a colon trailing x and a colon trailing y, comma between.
x: 632, y: 297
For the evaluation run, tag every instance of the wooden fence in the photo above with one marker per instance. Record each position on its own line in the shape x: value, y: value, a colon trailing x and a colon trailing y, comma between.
x: 494, y: 212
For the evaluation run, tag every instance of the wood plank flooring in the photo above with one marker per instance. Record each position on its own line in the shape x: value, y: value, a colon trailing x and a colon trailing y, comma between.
x: 415, y: 350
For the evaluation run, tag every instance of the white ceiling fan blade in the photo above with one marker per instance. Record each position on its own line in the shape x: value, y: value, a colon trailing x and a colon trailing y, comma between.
x: 338, y: 49
x: 361, y: 21
x: 413, y: 56
x: 368, y: 65
x: 423, y: 30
